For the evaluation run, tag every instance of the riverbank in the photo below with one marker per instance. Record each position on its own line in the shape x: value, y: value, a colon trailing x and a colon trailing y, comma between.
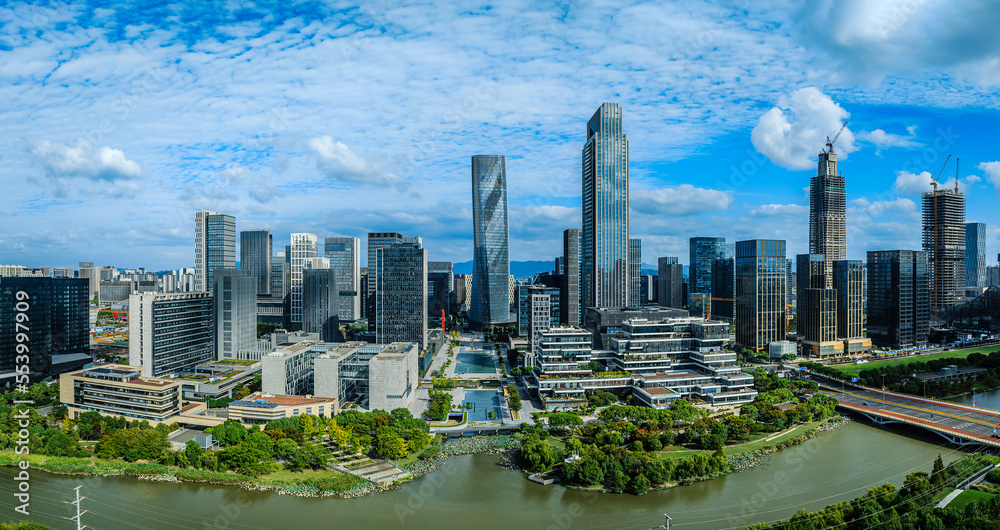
x: 326, y: 483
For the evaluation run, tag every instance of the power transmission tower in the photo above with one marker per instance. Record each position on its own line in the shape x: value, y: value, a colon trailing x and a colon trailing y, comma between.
x: 79, y: 511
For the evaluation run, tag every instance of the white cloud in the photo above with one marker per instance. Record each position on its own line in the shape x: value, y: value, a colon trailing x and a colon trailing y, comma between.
x: 873, y: 40
x: 792, y: 133
x: 337, y: 161
x: 776, y: 210
x: 83, y: 160
x: 913, y: 183
x: 883, y: 140
x: 992, y: 170
x: 684, y: 199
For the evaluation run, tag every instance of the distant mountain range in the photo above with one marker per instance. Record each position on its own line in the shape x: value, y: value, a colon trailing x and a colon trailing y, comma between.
x: 527, y: 269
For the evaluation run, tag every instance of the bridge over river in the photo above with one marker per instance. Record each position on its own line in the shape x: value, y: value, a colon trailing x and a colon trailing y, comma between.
x: 959, y: 424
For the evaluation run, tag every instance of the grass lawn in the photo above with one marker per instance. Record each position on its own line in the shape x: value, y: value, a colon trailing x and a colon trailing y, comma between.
x: 744, y: 448
x: 853, y: 369
x: 284, y: 474
x: 969, y: 497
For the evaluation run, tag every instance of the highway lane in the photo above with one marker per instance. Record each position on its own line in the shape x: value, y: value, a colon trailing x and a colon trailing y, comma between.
x: 982, y: 423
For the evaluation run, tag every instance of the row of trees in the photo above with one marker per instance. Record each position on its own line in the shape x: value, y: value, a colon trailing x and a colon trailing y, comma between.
x: 514, y: 398
x: 909, y: 507
x: 439, y: 406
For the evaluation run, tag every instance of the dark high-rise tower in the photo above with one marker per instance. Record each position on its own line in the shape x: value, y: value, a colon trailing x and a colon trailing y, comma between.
x: 255, y: 256
x: 760, y: 293
x: 828, y: 214
x: 604, y: 245
x: 491, y: 250
x: 899, y: 308
x: 570, y: 293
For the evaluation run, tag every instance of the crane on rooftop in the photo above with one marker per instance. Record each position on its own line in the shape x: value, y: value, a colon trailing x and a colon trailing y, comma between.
x: 829, y: 142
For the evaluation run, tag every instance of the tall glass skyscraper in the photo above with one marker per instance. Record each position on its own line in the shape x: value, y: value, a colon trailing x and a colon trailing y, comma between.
x: 975, y: 254
x: 491, y: 250
x: 214, y: 246
x: 345, y: 259
x: 705, y: 250
x: 899, y: 306
x: 760, y: 292
x: 377, y: 240
x: 57, y: 321
x: 255, y: 256
x: 604, y: 244
x: 234, y: 306
x: 828, y: 215
x: 401, y: 294
x: 303, y: 247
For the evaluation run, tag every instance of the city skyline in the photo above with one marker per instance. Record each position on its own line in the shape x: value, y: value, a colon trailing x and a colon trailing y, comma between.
x: 713, y: 151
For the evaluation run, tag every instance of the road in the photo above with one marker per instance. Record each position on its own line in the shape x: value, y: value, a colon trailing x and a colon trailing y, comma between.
x: 936, y: 415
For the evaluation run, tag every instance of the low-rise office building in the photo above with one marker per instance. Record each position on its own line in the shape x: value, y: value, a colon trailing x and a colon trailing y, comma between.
x: 262, y: 408
x: 217, y: 379
x: 659, y: 361
x: 119, y: 390
x: 373, y: 376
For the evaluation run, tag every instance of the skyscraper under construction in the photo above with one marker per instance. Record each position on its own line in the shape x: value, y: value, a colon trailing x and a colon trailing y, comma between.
x: 943, y: 213
x: 828, y: 214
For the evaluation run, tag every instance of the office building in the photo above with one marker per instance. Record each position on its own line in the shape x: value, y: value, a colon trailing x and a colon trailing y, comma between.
x: 604, y: 242
x: 302, y: 249
x: 258, y: 408
x: 86, y: 270
x: 462, y: 288
x: 234, y: 305
x: 168, y: 332
x: 570, y: 307
x: 818, y: 322
x: 345, y: 259
x: 993, y: 276
x: 440, y: 282
x: 214, y: 246
x: 113, y: 292
x: 119, y: 390
x: 647, y: 289
x: 828, y: 215
x: 491, y: 242
x: 943, y: 213
x: 525, y: 309
x: 321, y: 301
x: 760, y: 292
x: 848, y: 281
x: 635, y: 270
x: 810, y: 273
x: 975, y: 255
x: 278, y: 287
x: 724, y: 289
x: 255, y: 256
x: 376, y: 241
x: 704, y: 250
x: 62, y: 272
x: 401, y: 294
x: 899, y: 308
x: 670, y: 283
x: 55, y: 326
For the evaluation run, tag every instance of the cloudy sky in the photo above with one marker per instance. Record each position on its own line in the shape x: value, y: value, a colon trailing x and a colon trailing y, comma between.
x: 122, y: 120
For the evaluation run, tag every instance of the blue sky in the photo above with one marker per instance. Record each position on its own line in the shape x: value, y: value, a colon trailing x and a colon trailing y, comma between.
x: 123, y: 119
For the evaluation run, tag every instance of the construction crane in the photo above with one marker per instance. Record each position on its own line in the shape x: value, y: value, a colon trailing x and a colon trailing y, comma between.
x: 708, y: 304
x: 829, y: 142
x: 936, y: 179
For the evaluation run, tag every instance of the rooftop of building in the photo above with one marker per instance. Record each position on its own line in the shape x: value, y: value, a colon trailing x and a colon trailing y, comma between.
x: 121, y: 373
x: 261, y: 400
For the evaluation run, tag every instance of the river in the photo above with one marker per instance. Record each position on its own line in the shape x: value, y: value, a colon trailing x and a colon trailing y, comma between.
x: 990, y: 399
x: 473, y: 492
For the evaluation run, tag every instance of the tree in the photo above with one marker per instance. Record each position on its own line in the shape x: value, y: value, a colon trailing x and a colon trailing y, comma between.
x: 937, y: 473
x: 564, y: 421
x: 639, y: 484
x: 193, y: 452
x: 339, y: 435
x: 59, y: 444
x: 536, y: 453
x: 389, y: 445
x: 417, y: 439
